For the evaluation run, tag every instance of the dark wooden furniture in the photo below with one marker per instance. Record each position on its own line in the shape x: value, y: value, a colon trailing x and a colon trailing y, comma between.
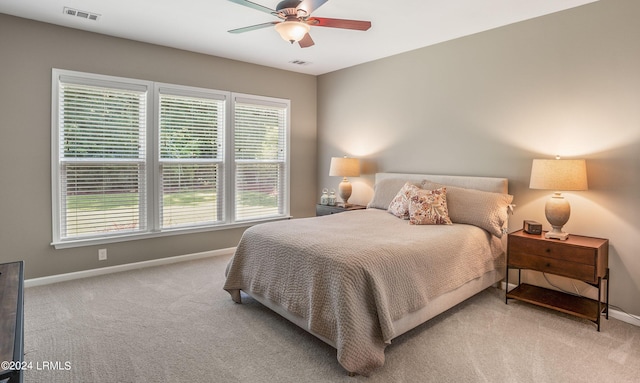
x: 11, y: 321
x: 326, y: 209
x: 582, y: 258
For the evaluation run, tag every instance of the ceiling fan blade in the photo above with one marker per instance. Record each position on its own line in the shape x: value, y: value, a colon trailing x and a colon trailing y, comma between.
x: 253, y: 5
x: 311, y: 5
x: 306, y: 41
x: 358, y: 25
x: 253, y: 27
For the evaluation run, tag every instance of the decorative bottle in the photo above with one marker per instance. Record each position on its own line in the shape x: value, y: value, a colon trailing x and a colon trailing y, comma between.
x: 333, y: 200
x: 324, y: 199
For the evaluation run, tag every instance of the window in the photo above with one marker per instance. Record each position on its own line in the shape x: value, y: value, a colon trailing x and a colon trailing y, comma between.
x: 133, y: 159
x: 101, y: 160
x: 260, y: 159
x: 191, y: 158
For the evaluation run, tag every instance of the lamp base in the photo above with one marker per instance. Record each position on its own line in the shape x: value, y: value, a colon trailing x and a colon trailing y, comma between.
x: 557, y: 211
x: 557, y: 235
x: 345, y: 190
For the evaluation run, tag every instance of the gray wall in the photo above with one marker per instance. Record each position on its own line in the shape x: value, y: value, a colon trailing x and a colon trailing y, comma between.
x: 487, y: 104
x: 28, y: 51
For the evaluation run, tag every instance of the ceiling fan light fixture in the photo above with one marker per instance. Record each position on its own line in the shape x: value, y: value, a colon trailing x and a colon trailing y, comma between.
x: 292, y: 31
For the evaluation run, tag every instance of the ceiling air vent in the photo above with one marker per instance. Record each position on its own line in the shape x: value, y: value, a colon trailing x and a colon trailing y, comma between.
x: 299, y: 62
x: 81, y: 14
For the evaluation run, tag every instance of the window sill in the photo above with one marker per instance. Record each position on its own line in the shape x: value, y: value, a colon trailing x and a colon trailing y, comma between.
x: 165, y: 233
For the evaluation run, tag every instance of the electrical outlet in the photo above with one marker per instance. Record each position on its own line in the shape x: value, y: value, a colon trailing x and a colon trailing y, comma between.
x: 102, y: 254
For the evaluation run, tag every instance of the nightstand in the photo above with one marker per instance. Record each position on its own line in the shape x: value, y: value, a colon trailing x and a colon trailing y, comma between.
x: 582, y: 258
x: 326, y: 209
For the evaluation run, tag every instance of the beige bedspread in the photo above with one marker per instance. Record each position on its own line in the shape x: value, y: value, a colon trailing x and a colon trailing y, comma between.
x: 350, y: 275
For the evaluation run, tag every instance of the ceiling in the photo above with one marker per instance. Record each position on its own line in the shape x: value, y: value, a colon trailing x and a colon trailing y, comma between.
x: 202, y: 25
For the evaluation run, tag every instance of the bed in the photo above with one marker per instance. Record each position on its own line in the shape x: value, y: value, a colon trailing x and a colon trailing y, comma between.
x: 359, y: 279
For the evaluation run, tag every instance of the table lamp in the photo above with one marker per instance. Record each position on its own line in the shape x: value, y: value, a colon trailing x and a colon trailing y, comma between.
x: 344, y: 167
x: 559, y: 175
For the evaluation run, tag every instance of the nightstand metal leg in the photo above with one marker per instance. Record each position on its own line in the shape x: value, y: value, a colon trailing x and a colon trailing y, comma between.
x: 608, y: 278
x: 599, y: 302
x: 506, y: 286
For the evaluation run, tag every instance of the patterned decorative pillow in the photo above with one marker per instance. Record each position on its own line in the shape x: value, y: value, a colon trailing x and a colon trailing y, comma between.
x: 429, y: 207
x: 399, y: 205
x: 385, y: 191
x: 484, y: 209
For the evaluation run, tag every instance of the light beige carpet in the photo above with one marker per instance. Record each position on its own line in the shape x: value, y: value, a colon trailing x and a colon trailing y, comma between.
x: 175, y: 324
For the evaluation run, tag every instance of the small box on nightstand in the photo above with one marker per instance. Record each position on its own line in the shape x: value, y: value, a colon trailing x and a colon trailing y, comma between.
x: 532, y: 227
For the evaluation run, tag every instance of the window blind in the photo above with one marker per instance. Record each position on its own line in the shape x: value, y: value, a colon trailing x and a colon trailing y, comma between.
x: 191, y: 160
x: 260, y: 139
x: 102, y: 160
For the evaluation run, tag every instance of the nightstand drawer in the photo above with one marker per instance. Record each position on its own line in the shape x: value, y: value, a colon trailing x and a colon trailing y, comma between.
x: 545, y: 264
x: 548, y: 249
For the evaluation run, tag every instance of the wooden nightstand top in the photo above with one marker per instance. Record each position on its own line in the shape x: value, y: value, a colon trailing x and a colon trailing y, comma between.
x: 575, y: 240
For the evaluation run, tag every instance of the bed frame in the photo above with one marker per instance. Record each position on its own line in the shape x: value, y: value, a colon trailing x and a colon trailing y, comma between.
x: 443, y: 302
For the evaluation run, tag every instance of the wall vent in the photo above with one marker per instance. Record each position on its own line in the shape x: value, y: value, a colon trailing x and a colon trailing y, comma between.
x: 81, y: 14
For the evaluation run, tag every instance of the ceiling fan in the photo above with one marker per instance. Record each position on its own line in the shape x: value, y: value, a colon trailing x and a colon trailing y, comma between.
x: 297, y: 20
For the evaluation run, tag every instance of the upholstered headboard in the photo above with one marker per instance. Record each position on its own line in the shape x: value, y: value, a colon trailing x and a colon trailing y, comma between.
x: 487, y: 206
x: 490, y: 184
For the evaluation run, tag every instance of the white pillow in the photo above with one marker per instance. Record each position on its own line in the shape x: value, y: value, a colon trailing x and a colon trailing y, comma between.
x: 484, y: 209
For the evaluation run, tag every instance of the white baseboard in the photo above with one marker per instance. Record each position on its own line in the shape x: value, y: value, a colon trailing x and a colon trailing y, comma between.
x: 613, y: 313
x: 129, y: 266
x: 511, y: 286
x: 624, y: 317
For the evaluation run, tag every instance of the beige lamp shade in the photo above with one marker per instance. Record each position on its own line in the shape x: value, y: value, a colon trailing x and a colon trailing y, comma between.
x: 344, y: 167
x: 559, y: 175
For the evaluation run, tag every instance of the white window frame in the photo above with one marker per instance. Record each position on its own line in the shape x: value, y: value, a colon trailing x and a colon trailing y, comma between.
x: 153, y: 162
